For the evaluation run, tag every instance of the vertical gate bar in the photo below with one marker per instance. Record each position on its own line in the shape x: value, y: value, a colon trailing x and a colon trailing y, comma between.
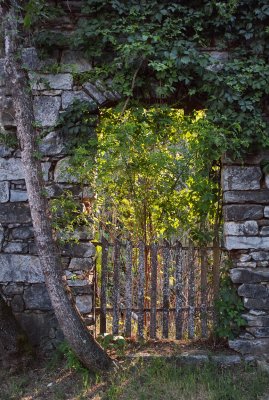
x: 203, y: 316
x: 116, y: 288
x: 140, y: 288
x: 128, y: 288
x: 153, y: 293
x: 191, y: 292
x: 178, y: 290
x: 166, y: 264
x: 103, y: 297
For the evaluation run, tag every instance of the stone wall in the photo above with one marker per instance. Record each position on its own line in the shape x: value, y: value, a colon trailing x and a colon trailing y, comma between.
x: 246, y: 235
x: 21, y: 279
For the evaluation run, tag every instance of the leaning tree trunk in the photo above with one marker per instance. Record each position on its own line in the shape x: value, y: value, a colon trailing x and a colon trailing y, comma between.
x: 83, y: 344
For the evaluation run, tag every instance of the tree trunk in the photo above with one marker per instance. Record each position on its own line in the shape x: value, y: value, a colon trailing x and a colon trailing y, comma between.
x: 82, y: 343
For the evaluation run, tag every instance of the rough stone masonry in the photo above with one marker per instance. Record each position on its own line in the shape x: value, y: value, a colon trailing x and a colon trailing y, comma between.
x: 21, y: 279
x: 246, y: 236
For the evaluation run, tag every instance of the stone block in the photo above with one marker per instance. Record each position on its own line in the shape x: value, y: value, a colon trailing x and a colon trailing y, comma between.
x: 256, y: 304
x: 18, y: 195
x: 256, y: 320
x: 17, y: 303
x: 15, y: 247
x: 11, y: 289
x: 11, y: 169
x: 30, y: 58
x: 254, y: 347
x: 249, y: 242
x: 78, y: 290
x: 245, y: 257
x: 69, y: 97
x: 20, y: 268
x: 245, y: 275
x: 95, y: 94
x: 46, y: 110
x: 264, y: 231
x: 4, y: 192
x: 266, y: 212
x: 226, y: 359
x: 5, y: 151
x: 79, y: 250
x: 14, y: 213
x: 37, y: 326
x: 36, y: 298
x: 81, y: 264
x: 61, y: 173
x: 77, y: 283
x: 52, y: 144
x: 245, y: 196
x: 253, y: 291
x: 84, y: 233
x: 84, y: 303
x: 249, y: 264
x: 51, y: 81
x: 242, y: 212
x: 22, y: 233
x: 259, y: 332
x: 249, y: 228
x: 45, y: 169
x: 260, y: 255
x: 74, y: 61
x: 241, y: 178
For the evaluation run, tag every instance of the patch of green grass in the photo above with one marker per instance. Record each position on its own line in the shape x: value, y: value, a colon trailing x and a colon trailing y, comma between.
x: 160, y: 380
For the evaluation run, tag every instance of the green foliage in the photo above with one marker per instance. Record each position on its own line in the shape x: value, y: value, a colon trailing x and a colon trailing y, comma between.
x: 110, y: 342
x: 72, y: 362
x: 229, y: 308
x: 67, y: 215
x: 153, y: 171
x: 8, y: 139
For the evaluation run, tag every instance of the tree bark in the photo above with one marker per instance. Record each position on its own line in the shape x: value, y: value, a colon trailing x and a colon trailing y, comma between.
x: 82, y: 343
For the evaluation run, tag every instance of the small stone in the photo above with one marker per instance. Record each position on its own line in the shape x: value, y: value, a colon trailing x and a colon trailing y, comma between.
x: 253, y: 347
x: 264, y: 231
x: 79, y: 250
x: 20, y: 268
x: 259, y: 332
x: 245, y: 196
x: 77, y: 283
x: 12, y: 288
x: 241, y: 178
x: 47, y: 110
x: 246, y: 275
x: 242, y: 212
x: 96, y: 94
x: 22, y: 233
x: 257, y: 312
x: 245, y: 257
x: 16, y: 247
x: 18, y: 195
x: 248, y: 228
x: 45, y: 169
x: 36, y: 298
x: 249, y: 264
x: 51, y: 81
x: 11, y: 169
x: 253, y: 291
x: 248, y: 242
x: 266, y: 212
x: 84, y: 264
x: 30, y: 58
x: 257, y: 304
x: 84, y: 304
x: 61, y: 172
x: 267, y: 181
x: 260, y: 255
x: 4, y: 192
x: 52, y: 144
x: 69, y: 97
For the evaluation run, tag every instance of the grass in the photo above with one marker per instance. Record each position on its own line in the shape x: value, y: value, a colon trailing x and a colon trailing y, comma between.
x: 159, y: 380
x: 136, y: 380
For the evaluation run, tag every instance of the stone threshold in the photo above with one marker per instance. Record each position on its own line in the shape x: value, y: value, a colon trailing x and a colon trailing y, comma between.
x: 200, y: 358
